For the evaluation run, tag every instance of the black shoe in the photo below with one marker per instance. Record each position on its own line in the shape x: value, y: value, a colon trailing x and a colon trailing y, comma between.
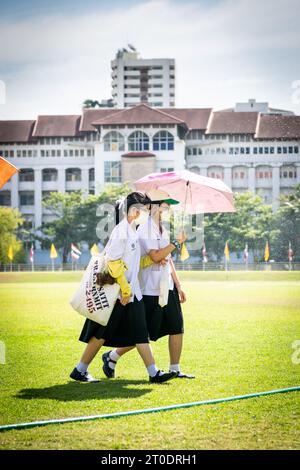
x: 161, y: 377
x: 181, y: 375
x: 108, y: 371
x: 82, y: 376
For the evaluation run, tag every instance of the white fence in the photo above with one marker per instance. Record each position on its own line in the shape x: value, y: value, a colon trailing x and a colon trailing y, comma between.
x: 181, y: 266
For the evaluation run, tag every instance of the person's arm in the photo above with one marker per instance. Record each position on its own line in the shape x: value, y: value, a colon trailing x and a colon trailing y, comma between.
x: 115, y: 264
x: 182, y: 296
x: 117, y: 270
x: 158, y: 255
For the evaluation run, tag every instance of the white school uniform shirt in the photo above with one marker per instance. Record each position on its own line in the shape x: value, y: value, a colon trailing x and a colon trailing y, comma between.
x: 123, y: 244
x: 150, y: 238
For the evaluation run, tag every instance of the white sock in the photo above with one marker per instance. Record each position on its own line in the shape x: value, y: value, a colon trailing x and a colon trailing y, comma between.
x: 114, y: 356
x: 174, y: 368
x: 152, y: 370
x: 81, y: 367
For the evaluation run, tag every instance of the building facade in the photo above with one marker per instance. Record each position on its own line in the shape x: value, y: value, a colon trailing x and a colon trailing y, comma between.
x: 136, y: 80
x: 249, y: 150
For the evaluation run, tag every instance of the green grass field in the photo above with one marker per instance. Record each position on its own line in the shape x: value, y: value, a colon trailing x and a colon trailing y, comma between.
x: 239, y: 333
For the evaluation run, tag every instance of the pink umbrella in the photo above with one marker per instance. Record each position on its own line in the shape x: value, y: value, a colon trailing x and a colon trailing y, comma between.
x: 196, y: 193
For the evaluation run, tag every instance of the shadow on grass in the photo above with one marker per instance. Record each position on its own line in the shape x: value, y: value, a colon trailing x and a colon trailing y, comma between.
x: 74, y: 391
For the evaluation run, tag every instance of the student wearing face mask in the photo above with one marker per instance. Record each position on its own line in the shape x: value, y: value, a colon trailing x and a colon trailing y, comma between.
x: 162, y: 293
x: 127, y: 324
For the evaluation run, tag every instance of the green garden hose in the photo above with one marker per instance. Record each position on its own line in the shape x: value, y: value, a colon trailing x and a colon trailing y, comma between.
x: 214, y: 401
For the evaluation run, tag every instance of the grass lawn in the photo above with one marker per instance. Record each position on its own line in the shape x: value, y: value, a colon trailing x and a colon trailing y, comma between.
x: 239, y: 330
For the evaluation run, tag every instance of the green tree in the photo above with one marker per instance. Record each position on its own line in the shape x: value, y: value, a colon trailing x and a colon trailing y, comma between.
x: 252, y: 223
x: 287, y: 223
x: 11, y: 220
x: 76, y: 217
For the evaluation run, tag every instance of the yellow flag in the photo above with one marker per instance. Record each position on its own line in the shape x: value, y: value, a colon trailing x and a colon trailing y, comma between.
x: 267, y: 252
x: 53, y: 252
x: 226, y: 251
x: 184, y: 253
x: 94, y: 250
x: 10, y: 253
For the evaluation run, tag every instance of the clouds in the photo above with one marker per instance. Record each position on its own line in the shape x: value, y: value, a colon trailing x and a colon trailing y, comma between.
x: 223, y: 53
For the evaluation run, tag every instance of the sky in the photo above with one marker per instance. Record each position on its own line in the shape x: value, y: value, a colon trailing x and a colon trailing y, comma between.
x: 55, y: 54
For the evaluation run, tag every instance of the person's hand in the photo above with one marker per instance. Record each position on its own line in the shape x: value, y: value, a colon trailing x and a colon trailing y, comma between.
x: 181, y: 237
x: 125, y: 299
x: 164, y: 262
x: 182, y: 296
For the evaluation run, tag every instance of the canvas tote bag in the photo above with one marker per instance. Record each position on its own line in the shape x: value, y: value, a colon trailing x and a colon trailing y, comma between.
x: 92, y: 301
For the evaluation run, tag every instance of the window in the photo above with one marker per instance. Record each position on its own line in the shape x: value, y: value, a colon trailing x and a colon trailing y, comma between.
x: 26, y: 174
x: 49, y: 174
x: 215, y: 172
x: 112, y: 172
x: 288, y: 172
x: 92, y: 174
x: 113, y: 141
x: 290, y: 149
x: 73, y: 174
x: 166, y: 170
x: 5, y: 198
x: 296, y: 149
x: 138, y: 141
x: 264, y: 173
x: 255, y: 150
x: 163, y: 140
x: 26, y: 198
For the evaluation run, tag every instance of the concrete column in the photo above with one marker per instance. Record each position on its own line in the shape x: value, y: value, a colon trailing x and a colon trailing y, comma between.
x: 61, y: 180
x: 100, y: 157
x: 275, y: 186
x: 15, y: 191
x: 203, y: 171
x: 37, y: 197
x: 228, y: 176
x: 297, y: 172
x: 251, y: 179
x: 85, y: 179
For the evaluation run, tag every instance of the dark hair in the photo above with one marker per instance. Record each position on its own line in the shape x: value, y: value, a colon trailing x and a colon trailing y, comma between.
x: 104, y: 278
x: 132, y: 199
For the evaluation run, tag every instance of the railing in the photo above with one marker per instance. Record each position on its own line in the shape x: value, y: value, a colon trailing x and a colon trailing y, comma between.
x: 181, y: 266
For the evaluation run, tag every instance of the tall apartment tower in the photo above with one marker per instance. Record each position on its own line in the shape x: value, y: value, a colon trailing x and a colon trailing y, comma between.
x: 136, y: 80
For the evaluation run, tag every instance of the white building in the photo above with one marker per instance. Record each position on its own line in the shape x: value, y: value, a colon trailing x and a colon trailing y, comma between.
x: 136, y: 80
x: 247, y: 149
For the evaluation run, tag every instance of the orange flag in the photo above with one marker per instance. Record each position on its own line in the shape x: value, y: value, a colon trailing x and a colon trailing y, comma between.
x: 6, y: 171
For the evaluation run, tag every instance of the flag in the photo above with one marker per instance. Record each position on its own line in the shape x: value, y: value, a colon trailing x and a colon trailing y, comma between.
x: 10, y: 253
x: 226, y: 251
x: 75, y: 252
x: 246, y: 253
x: 7, y: 170
x: 204, y: 254
x: 184, y: 253
x: 94, y: 250
x: 31, y: 254
x: 267, y: 252
x: 53, y: 252
x: 290, y: 253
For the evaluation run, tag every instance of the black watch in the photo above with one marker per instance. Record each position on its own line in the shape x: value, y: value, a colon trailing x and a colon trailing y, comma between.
x: 176, y: 244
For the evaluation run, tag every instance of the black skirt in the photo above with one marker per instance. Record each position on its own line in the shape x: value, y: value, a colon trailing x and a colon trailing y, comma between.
x: 126, y: 326
x: 162, y: 321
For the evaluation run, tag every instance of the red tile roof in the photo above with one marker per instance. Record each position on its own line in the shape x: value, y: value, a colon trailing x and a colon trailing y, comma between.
x: 195, y: 118
x: 90, y: 115
x: 57, y: 126
x: 230, y: 122
x: 138, y: 154
x: 140, y: 114
x: 16, y: 131
x: 276, y: 126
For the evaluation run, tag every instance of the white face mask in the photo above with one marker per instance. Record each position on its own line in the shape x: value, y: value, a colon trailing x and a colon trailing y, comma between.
x: 142, y: 218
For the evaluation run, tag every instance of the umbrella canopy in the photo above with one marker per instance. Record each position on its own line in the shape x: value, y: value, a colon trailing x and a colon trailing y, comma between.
x: 196, y: 193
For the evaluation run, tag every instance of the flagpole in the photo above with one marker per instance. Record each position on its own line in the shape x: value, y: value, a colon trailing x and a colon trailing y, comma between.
x: 52, y: 264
